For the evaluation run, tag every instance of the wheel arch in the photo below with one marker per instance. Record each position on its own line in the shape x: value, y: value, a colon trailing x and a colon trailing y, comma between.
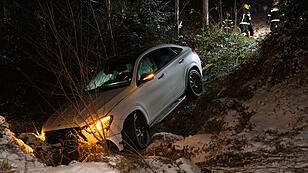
x: 192, y: 66
x: 140, y: 112
x: 129, y: 136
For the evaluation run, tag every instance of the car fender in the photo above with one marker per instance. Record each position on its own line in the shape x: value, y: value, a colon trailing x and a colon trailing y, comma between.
x: 124, y: 112
x: 116, y: 135
x: 135, y: 108
x: 117, y: 138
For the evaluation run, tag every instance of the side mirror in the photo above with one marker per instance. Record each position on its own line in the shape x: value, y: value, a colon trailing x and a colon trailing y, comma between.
x: 145, y: 77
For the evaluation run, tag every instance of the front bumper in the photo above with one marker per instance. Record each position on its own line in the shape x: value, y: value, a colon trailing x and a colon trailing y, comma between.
x: 59, y: 136
x: 71, y: 134
x: 114, y: 138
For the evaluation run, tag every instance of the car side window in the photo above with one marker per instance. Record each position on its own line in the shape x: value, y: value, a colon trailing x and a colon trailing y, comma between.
x: 164, y: 55
x: 146, y: 65
x: 156, y: 59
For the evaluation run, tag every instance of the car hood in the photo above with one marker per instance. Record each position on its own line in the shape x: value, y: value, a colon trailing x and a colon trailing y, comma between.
x: 76, y: 115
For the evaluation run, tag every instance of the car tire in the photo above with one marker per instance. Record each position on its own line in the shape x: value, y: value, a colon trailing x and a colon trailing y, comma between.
x: 194, y: 84
x: 136, y: 133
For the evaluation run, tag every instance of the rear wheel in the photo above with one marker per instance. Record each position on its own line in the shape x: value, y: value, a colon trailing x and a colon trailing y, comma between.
x: 136, y: 132
x: 194, y: 86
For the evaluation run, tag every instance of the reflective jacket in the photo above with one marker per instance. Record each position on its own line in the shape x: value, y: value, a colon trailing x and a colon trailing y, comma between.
x: 227, y: 23
x: 246, y: 17
x: 274, y: 15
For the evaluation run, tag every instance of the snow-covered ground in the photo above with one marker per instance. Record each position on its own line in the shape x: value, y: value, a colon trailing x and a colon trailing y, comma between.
x: 76, y: 167
x: 15, y: 156
x: 267, y: 133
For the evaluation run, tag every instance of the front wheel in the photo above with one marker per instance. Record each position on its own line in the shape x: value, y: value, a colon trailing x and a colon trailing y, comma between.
x: 136, y: 132
x: 194, y: 85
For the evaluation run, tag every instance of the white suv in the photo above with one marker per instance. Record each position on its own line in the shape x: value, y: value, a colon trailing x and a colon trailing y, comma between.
x: 131, y: 96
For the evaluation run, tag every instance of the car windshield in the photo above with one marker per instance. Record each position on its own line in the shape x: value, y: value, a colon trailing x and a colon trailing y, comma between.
x: 114, y: 73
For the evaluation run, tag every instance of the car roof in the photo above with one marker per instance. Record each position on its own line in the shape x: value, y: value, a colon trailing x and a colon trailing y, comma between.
x: 142, y: 51
x: 160, y: 46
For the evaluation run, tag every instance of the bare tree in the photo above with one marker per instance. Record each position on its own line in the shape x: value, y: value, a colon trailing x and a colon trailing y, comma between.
x: 205, y: 13
x: 220, y: 11
x: 177, y: 15
x: 235, y: 13
x: 108, y: 11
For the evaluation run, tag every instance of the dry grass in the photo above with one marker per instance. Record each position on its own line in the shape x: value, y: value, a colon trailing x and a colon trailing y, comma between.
x: 70, y: 60
x: 72, y: 64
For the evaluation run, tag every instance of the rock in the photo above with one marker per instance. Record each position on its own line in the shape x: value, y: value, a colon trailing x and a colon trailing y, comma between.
x: 166, y: 137
x: 162, y: 140
x: 187, y: 166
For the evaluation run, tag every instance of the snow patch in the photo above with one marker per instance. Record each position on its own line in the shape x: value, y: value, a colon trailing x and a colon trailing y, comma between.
x: 12, y: 153
x: 196, y: 145
x: 77, y: 167
x: 157, y: 165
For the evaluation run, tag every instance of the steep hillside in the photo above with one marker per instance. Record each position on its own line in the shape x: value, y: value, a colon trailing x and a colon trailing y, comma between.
x: 254, y: 119
x: 251, y: 118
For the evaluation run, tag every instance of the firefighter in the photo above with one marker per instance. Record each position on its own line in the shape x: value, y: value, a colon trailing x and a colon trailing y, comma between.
x: 227, y: 23
x: 245, y: 24
x: 274, y: 15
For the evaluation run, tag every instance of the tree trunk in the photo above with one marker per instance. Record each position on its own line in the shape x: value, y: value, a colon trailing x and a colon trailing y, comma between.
x: 177, y: 16
x: 205, y: 13
x: 220, y: 12
x: 108, y: 11
x: 5, y: 12
x: 235, y: 13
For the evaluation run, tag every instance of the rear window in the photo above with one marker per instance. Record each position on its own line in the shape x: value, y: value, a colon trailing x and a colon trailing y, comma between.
x: 163, y: 56
x: 176, y: 50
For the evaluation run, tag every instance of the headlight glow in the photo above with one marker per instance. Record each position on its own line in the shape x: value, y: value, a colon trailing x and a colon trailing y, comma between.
x: 101, y: 124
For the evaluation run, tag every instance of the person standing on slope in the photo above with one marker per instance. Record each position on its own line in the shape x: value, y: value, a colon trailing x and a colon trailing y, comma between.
x: 245, y: 24
x: 227, y: 23
x: 273, y: 16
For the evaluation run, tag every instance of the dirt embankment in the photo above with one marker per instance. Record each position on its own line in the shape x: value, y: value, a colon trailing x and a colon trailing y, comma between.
x: 255, y: 119
x: 267, y: 132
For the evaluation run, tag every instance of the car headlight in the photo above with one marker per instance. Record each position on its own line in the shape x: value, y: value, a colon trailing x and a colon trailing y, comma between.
x: 102, y: 124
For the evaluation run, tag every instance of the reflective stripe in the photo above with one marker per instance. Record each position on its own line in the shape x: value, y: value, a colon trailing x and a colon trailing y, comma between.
x: 243, y: 18
x: 274, y: 9
x: 244, y: 23
x: 275, y: 20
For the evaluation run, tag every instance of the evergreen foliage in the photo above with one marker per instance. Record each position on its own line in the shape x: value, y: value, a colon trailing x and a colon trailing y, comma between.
x: 221, y: 52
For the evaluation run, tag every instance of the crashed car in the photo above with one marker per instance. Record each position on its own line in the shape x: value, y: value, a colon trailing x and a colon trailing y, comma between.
x: 132, y: 95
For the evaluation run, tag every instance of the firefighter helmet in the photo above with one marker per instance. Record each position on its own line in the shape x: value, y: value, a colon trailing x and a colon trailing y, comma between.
x: 246, y: 6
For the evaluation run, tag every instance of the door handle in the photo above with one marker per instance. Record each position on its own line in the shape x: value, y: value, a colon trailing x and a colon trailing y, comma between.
x: 161, y: 76
x: 181, y: 61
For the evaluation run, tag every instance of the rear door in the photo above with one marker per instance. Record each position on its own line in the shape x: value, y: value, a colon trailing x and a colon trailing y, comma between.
x: 172, y: 66
x: 175, y: 68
